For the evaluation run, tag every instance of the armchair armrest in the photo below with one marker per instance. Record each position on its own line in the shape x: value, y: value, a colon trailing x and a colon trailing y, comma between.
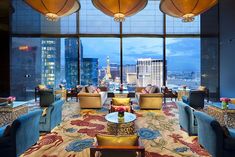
x: 139, y: 89
x: 152, y: 95
x: 138, y: 148
x: 88, y: 95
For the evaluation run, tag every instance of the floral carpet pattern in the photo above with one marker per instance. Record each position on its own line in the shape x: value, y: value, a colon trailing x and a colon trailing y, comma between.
x: 158, y: 129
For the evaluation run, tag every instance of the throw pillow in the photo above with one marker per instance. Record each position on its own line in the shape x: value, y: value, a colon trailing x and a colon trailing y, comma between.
x: 154, y: 89
x: 42, y: 86
x: 121, y: 101
x: 144, y: 91
x: 97, y: 90
x: 148, y: 88
x: 109, y: 140
x: 7, y: 131
x: 115, y: 108
x: 202, y: 88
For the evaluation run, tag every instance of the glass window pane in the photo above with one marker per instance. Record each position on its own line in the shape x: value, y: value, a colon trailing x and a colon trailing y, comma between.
x: 42, y: 61
x: 176, y: 26
x: 26, y: 20
x: 142, y: 62
x: 100, y: 62
x: 183, y: 62
x: 93, y: 21
x: 147, y: 21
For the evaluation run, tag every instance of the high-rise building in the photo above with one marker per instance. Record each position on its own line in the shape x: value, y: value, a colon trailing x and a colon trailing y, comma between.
x: 71, y: 62
x: 50, y: 48
x: 129, y: 69
x: 149, y: 71
x: 89, y: 74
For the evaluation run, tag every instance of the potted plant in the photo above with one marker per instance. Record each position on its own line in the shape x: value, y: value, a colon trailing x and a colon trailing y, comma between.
x: 225, y: 102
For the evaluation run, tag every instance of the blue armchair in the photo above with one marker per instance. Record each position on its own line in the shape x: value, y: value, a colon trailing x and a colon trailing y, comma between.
x: 195, y: 99
x: 213, y: 138
x: 187, y: 119
x: 48, y: 96
x: 24, y: 133
x: 53, y: 116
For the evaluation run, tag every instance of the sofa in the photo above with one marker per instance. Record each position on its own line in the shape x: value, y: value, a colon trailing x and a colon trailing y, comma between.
x: 195, y: 99
x: 218, y: 141
x: 92, y: 97
x: 149, y: 97
x: 52, y: 116
x: 187, y: 120
x: 23, y: 133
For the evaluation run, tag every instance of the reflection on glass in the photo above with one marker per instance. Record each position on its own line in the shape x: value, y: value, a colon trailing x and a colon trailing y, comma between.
x: 48, y: 61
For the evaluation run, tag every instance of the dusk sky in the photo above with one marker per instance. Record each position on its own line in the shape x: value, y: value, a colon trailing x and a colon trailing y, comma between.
x: 183, y: 54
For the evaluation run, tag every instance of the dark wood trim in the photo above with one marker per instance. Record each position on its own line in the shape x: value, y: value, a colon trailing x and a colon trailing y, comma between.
x: 114, y: 35
x: 164, y: 51
x: 121, y: 54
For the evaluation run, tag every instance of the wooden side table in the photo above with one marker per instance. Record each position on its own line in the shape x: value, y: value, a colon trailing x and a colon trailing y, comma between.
x: 9, y: 114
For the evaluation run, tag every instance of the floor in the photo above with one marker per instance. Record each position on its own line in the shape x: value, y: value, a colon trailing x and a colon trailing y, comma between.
x: 159, y: 132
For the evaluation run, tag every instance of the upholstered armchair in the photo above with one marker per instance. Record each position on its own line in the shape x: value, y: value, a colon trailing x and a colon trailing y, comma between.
x: 51, y: 116
x: 117, y: 146
x: 187, y: 120
x: 48, y: 96
x: 23, y: 133
x: 92, y: 100
x: 195, y: 99
x: 149, y: 97
x: 219, y: 142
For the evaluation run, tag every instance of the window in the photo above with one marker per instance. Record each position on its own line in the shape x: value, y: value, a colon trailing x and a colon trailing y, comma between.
x: 95, y: 51
x: 142, y: 62
x: 183, y: 62
x: 26, y: 20
x: 147, y: 21
x: 176, y: 26
x: 49, y: 61
x: 93, y: 21
x: 100, y: 62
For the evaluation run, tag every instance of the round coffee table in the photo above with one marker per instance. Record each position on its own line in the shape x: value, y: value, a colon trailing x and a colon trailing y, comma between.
x: 121, y: 126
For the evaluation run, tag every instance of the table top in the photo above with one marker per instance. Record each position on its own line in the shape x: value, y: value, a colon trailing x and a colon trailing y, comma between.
x: 219, y: 105
x: 113, y: 117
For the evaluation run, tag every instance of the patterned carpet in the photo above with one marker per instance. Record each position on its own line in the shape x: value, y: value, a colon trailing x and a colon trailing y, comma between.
x: 159, y: 131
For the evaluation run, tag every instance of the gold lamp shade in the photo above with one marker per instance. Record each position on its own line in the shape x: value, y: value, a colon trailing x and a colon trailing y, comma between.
x: 119, y: 9
x: 54, y: 9
x: 186, y: 9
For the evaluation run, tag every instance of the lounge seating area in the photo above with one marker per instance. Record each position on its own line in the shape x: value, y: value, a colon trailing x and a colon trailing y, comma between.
x: 117, y: 78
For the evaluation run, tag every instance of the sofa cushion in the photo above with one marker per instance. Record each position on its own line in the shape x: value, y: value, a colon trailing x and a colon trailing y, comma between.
x: 202, y: 88
x: 148, y: 88
x: 42, y: 86
x: 121, y: 101
x: 154, y: 89
x: 109, y: 140
x: 115, y: 108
